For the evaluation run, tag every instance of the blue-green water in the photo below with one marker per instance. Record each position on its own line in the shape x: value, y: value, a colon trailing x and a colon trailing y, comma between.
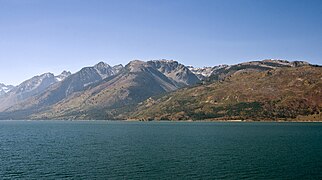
x: 159, y: 150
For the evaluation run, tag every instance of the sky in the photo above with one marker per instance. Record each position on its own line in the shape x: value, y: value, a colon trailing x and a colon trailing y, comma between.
x: 38, y: 36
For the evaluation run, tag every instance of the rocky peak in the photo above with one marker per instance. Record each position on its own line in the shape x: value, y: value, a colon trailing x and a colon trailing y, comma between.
x: 63, y: 75
x: 105, y: 70
x: 101, y: 65
x: 135, y: 66
x: 118, y: 68
x: 205, y: 72
x: 165, y: 66
x: 5, y: 88
x: 43, y: 81
x: 66, y: 73
x: 175, y: 71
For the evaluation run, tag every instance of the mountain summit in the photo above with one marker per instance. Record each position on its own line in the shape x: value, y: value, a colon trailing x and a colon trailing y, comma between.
x: 5, y: 88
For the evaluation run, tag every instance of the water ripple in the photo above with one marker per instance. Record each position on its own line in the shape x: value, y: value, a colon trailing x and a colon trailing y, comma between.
x: 118, y: 150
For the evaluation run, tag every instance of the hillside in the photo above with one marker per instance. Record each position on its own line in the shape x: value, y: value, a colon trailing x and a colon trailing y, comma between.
x: 138, y: 81
x: 285, y: 93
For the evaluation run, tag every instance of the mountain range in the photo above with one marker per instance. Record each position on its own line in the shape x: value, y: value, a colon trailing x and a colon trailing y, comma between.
x: 169, y: 90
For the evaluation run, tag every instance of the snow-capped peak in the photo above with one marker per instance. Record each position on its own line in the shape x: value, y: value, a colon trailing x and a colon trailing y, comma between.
x: 5, y: 88
x: 205, y: 71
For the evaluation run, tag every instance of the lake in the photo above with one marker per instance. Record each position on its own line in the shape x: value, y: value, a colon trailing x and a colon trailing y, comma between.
x: 159, y: 150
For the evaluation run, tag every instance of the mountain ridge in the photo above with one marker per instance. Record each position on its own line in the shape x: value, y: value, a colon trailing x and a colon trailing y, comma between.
x: 136, y: 82
x: 114, y: 92
x: 243, y: 96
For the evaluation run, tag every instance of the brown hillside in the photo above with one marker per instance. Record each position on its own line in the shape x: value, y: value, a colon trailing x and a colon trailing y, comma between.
x: 279, y: 94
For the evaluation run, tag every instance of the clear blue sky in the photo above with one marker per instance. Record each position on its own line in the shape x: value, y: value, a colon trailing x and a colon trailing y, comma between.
x: 38, y: 36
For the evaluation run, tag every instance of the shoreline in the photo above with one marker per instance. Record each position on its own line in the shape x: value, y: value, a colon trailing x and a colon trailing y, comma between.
x: 183, y: 121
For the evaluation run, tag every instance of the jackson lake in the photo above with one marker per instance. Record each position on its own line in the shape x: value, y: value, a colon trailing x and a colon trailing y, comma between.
x: 159, y: 150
